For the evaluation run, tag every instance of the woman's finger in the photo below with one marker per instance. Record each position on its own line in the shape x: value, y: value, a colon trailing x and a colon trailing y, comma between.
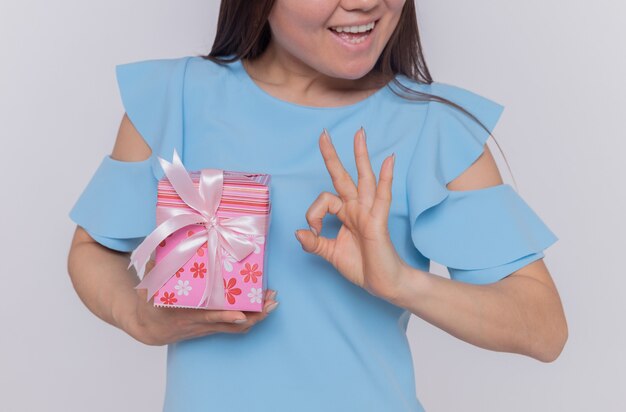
x: 201, y: 330
x: 382, y: 201
x: 227, y: 316
x: 342, y: 181
x: 366, y: 185
x: 219, y: 316
x: 316, y: 244
x: 325, y: 202
x: 252, y: 319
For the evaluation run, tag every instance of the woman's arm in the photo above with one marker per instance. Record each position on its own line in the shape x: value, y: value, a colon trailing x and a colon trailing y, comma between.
x: 101, y: 279
x: 100, y: 275
x: 521, y: 313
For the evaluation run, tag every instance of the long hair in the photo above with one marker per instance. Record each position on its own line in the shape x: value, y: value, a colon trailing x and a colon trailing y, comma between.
x: 243, y: 32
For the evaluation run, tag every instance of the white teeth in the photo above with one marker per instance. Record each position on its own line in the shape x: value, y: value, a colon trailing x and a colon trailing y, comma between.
x: 354, y: 29
x: 357, y: 41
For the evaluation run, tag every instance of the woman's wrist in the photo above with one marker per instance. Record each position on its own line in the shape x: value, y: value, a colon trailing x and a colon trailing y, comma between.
x: 407, y: 289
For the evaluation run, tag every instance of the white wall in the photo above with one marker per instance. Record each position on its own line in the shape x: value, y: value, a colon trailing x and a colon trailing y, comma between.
x: 557, y: 66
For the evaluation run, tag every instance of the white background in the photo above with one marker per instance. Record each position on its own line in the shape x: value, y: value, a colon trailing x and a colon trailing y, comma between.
x: 559, y: 69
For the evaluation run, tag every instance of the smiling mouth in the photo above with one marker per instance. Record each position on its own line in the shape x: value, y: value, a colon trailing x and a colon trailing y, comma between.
x: 355, y: 38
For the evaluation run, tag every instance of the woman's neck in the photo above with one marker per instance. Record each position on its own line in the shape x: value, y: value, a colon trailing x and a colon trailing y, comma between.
x: 288, y: 78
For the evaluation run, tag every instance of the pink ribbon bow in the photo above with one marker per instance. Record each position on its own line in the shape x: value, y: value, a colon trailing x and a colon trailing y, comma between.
x: 218, y: 232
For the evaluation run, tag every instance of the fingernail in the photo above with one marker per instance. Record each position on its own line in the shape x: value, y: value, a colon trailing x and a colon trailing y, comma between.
x: 273, y: 295
x: 313, y: 230
x: 272, y: 307
x: 297, y: 237
x: 363, y: 131
x: 326, y: 134
x: 240, y: 320
x: 393, y: 158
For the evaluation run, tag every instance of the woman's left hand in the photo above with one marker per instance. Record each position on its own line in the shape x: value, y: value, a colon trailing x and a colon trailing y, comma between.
x: 362, y: 251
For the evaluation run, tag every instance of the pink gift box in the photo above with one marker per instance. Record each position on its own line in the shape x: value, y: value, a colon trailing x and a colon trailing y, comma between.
x: 244, y: 282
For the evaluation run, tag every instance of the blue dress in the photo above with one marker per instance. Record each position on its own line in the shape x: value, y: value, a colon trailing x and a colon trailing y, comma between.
x: 330, y: 345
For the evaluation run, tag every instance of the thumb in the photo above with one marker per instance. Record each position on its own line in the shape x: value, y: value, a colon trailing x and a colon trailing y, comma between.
x: 312, y: 243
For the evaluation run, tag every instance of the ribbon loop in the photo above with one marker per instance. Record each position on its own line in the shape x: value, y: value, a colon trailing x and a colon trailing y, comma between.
x: 218, y: 232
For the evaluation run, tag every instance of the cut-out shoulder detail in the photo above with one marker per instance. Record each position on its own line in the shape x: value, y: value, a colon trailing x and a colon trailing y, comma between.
x: 480, y: 174
x: 480, y: 232
x: 118, y: 206
x: 130, y: 146
x: 152, y: 92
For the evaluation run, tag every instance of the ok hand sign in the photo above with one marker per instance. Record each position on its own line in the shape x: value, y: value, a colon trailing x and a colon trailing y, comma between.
x: 362, y: 252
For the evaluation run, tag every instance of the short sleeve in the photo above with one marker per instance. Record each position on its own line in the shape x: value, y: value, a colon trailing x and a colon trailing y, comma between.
x: 480, y: 235
x: 118, y: 205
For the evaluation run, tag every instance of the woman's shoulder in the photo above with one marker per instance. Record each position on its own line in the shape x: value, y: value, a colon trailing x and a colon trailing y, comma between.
x: 213, y: 67
x: 444, y: 120
x: 189, y: 65
x: 450, y: 91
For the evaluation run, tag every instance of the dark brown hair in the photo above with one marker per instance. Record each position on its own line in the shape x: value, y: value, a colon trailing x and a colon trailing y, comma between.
x: 243, y: 32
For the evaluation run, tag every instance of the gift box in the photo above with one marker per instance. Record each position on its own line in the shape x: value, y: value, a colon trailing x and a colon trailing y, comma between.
x: 209, y: 246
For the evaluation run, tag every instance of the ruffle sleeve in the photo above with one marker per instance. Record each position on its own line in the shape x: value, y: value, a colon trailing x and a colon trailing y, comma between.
x: 480, y: 235
x: 118, y: 205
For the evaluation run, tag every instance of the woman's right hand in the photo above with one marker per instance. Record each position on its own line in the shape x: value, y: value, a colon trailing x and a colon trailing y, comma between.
x: 158, y: 326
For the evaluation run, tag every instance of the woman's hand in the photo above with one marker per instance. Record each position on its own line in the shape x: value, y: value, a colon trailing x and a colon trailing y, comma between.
x: 362, y: 252
x: 160, y: 326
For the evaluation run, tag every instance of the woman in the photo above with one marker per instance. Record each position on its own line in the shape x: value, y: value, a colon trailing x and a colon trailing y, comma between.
x: 284, y: 86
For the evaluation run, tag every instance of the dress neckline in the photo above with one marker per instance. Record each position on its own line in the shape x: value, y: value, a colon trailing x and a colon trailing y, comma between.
x: 241, y: 72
